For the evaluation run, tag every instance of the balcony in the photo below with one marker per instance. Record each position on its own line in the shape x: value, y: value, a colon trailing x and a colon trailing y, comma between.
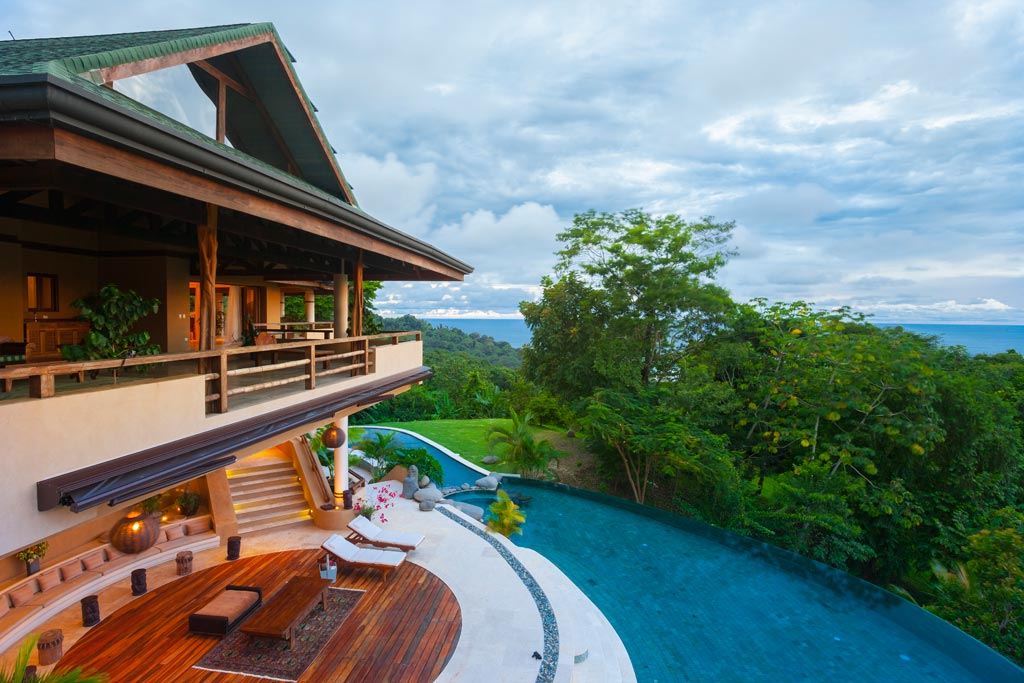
x: 69, y: 446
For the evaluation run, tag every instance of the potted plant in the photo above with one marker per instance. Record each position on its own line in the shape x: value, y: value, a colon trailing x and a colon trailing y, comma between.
x: 188, y: 502
x: 31, y: 556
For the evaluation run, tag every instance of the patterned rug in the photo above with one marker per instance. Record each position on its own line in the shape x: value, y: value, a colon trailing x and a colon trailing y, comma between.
x: 239, y: 653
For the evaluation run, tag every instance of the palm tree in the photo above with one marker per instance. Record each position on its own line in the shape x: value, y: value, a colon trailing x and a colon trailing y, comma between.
x: 17, y: 674
x: 379, y: 450
x: 521, y: 449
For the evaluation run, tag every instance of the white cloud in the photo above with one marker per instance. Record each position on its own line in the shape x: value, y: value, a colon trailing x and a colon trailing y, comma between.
x: 399, y: 194
x: 870, y: 152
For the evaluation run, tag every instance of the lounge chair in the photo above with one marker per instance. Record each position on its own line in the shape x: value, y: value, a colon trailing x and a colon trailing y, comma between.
x: 365, y: 531
x: 384, y: 560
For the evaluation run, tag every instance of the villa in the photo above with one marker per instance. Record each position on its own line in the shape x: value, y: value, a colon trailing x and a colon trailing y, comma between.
x: 97, y: 188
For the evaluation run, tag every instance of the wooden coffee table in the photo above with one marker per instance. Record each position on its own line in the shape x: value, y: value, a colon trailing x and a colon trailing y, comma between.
x: 287, y: 607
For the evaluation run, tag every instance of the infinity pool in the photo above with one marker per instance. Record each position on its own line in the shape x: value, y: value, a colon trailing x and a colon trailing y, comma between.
x: 694, y: 603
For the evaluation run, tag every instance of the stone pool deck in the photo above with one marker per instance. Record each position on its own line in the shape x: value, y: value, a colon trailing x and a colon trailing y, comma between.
x: 502, y: 591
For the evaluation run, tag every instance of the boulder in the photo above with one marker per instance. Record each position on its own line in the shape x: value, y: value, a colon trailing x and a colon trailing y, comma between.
x: 491, y: 460
x: 427, y: 505
x: 430, y: 493
x: 465, y: 486
x: 424, y: 481
x: 473, y: 511
x: 488, y: 483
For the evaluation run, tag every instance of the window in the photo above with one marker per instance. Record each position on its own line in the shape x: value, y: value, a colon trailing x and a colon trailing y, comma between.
x: 42, y: 292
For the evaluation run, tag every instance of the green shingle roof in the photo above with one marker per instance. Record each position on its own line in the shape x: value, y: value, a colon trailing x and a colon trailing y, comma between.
x: 78, y: 54
x: 71, y: 58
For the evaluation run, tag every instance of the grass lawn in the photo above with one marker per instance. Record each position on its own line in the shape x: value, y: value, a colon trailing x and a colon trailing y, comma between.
x: 468, y: 438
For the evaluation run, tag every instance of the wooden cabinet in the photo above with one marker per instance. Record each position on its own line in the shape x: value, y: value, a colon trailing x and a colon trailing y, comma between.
x: 45, y: 337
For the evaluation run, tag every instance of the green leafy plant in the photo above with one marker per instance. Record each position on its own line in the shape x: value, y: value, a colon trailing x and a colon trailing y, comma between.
x: 18, y: 674
x: 379, y: 449
x: 506, y: 517
x: 151, y: 504
x: 424, y: 461
x: 188, y: 502
x: 520, y: 448
x: 111, y: 315
x: 249, y: 333
x: 33, y: 552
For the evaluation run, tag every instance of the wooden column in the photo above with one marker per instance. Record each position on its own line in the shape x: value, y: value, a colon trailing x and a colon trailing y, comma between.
x: 341, y: 460
x: 208, y: 280
x: 222, y: 111
x: 340, y: 306
x: 309, y: 297
x: 357, y: 302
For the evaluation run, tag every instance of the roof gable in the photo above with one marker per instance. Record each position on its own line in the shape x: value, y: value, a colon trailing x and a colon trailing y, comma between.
x: 268, y: 115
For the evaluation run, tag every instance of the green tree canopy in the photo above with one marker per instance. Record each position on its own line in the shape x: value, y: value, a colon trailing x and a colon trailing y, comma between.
x: 635, y: 292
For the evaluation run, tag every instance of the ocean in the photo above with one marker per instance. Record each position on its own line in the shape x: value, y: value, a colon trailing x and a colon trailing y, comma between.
x: 987, y: 339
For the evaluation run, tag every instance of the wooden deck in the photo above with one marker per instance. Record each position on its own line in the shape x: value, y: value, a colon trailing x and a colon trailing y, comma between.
x: 404, y: 630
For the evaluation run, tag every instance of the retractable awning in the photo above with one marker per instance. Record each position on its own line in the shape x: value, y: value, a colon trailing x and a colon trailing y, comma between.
x: 161, y: 467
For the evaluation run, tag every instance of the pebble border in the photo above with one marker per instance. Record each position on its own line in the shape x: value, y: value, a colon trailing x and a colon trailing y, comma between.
x: 549, y: 662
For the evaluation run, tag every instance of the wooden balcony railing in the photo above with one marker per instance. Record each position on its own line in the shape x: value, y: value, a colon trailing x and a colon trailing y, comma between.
x: 227, y: 370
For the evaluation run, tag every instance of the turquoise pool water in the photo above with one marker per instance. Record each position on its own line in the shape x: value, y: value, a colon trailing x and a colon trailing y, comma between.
x: 701, y: 605
x: 693, y: 603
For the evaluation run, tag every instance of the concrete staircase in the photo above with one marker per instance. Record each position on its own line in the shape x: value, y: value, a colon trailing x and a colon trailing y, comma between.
x: 267, y: 495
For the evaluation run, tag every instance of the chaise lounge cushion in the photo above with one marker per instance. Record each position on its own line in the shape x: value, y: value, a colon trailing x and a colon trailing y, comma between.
x: 365, y: 531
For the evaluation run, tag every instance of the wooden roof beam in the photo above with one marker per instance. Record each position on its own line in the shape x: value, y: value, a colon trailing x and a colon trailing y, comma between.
x: 145, y: 66
x: 227, y: 80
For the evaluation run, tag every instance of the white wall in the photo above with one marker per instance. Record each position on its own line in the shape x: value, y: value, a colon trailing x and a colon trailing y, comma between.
x: 43, y: 438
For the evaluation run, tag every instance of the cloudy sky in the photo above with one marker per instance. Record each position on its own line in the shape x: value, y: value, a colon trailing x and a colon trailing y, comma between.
x: 871, y: 153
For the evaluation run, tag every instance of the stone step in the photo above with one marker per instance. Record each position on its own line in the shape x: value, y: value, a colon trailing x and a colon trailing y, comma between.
x: 246, y: 473
x: 276, y: 523
x: 270, y: 480
x: 256, y: 489
x: 283, y: 500
x: 267, y: 512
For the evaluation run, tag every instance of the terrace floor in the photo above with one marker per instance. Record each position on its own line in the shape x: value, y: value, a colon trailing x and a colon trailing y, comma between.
x: 405, y: 629
x: 456, y: 611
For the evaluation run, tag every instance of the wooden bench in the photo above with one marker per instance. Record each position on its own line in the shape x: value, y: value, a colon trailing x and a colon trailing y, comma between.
x: 29, y: 602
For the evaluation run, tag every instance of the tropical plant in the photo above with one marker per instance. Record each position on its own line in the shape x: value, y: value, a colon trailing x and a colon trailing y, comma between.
x: 424, y: 461
x: 506, y: 518
x: 316, y: 445
x: 18, y: 674
x: 985, y: 595
x: 379, y: 449
x: 188, y: 502
x: 111, y: 315
x: 518, y: 447
x: 151, y: 505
